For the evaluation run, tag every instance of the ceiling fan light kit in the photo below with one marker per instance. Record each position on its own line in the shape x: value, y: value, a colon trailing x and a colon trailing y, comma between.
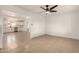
x: 49, y: 10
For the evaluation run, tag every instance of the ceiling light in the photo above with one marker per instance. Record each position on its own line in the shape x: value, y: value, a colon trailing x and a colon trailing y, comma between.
x: 9, y: 13
x: 47, y: 12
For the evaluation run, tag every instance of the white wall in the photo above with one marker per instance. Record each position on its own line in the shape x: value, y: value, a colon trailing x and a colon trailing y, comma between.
x: 37, y: 25
x: 1, y: 30
x: 65, y: 22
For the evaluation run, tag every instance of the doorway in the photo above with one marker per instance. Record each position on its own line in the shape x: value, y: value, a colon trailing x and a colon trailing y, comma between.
x: 15, y: 33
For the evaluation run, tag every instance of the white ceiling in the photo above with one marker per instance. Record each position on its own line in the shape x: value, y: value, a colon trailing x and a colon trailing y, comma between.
x: 60, y: 8
x: 36, y: 8
x: 33, y: 8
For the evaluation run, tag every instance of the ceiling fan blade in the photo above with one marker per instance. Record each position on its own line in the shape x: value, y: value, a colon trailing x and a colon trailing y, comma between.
x: 53, y: 11
x: 43, y: 8
x: 53, y: 7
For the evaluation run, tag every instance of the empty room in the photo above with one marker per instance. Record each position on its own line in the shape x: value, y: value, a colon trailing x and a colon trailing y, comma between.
x: 39, y: 28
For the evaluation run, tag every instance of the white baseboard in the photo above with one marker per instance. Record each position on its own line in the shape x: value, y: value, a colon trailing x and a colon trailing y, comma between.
x: 55, y: 34
x: 36, y: 35
x: 62, y: 35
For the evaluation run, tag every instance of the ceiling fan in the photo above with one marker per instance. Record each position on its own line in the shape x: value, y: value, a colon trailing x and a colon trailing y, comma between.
x: 48, y: 10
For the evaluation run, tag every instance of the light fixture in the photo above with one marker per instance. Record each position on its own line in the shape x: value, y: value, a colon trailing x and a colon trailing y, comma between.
x: 9, y: 13
x: 47, y: 12
x: 49, y: 9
